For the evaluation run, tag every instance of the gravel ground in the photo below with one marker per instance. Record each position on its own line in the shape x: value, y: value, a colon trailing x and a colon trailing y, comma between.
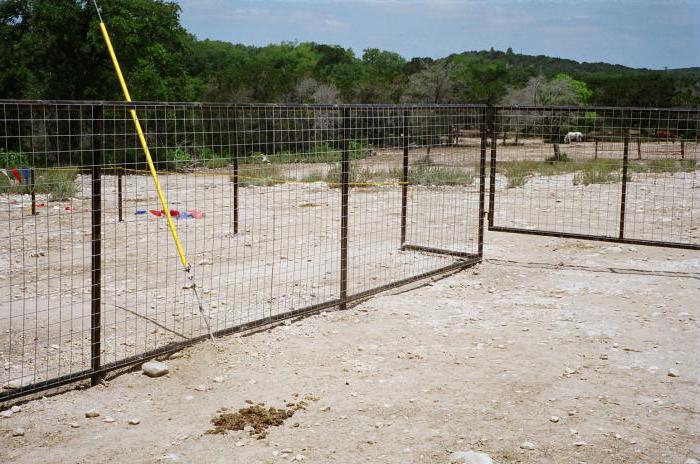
x: 586, y: 351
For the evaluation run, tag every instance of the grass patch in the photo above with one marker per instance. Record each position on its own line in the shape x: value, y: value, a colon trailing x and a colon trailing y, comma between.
x: 59, y: 184
x: 665, y: 166
x: 597, y: 173
x: 319, y: 153
x: 432, y: 175
x: 357, y: 176
x: 518, y: 172
x: 587, y: 172
x: 262, y: 175
x: 422, y: 174
x: 216, y: 163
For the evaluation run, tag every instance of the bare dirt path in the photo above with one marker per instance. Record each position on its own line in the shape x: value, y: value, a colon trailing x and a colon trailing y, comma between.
x: 483, y: 360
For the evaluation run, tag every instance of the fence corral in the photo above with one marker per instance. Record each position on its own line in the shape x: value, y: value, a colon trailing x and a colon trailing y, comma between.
x: 613, y: 174
x: 282, y: 210
x: 288, y: 209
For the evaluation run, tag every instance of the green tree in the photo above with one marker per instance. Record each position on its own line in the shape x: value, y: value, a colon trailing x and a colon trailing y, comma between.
x: 480, y: 81
x: 57, y: 50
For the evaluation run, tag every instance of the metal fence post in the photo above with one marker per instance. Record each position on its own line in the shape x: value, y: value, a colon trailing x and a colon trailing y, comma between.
x: 32, y: 188
x: 96, y: 266
x: 120, y: 193
x: 482, y: 180
x: 235, y: 171
x: 492, y: 167
x: 623, y: 196
x: 404, y: 179
x: 344, y: 197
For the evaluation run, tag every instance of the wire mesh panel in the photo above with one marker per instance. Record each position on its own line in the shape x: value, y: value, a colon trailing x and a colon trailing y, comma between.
x: 413, y: 200
x: 45, y: 209
x: 613, y: 174
x: 280, y: 210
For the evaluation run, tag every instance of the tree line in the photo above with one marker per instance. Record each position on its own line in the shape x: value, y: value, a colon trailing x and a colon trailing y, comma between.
x: 52, y: 49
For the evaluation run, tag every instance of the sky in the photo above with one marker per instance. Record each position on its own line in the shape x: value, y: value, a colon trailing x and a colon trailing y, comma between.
x: 639, y: 33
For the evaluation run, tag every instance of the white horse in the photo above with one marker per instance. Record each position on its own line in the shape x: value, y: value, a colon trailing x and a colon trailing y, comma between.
x: 573, y: 137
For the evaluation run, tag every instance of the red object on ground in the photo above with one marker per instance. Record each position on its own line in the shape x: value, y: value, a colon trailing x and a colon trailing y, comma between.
x: 196, y: 214
x: 17, y: 175
x: 174, y: 213
x: 156, y: 213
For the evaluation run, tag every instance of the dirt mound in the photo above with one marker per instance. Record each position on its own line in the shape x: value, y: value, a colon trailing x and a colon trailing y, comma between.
x: 257, y: 416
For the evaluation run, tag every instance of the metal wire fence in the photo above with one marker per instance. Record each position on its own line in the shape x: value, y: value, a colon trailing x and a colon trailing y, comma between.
x: 289, y: 209
x: 281, y: 209
x: 613, y: 174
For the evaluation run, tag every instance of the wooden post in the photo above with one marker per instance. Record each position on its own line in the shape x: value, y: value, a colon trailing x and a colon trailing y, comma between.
x: 596, y: 149
x: 639, y: 149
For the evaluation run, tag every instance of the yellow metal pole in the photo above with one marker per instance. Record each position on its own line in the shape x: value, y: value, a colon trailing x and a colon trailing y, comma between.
x: 144, y: 145
x: 152, y: 169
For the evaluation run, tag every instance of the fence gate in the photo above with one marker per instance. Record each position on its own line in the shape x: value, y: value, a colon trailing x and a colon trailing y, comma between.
x: 612, y: 174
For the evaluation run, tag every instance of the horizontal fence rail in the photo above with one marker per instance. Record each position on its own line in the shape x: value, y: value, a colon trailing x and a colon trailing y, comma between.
x: 282, y: 210
x: 626, y: 175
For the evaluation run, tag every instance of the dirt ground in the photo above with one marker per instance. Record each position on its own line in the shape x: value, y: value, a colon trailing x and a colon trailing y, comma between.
x: 484, y: 359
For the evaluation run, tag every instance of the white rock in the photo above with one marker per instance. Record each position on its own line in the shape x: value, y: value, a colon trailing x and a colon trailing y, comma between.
x: 239, y: 443
x: 554, y: 419
x: 92, y: 413
x: 134, y: 421
x: 299, y: 458
x: 201, y: 388
x: 249, y: 429
x: 673, y: 372
x: 526, y: 445
x: 74, y: 425
x: 470, y: 457
x: 15, y: 409
x: 18, y: 432
x: 580, y: 443
x: 154, y: 369
x: 6, y: 414
x: 691, y: 461
x: 109, y: 419
x: 170, y: 457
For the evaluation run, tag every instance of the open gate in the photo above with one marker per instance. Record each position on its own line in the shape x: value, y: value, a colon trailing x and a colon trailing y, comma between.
x: 624, y: 175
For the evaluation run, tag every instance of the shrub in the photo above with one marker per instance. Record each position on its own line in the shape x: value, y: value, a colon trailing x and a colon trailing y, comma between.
x: 212, y: 160
x: 59, y: 184
x: 12, y: 159
x: 178, y: 158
